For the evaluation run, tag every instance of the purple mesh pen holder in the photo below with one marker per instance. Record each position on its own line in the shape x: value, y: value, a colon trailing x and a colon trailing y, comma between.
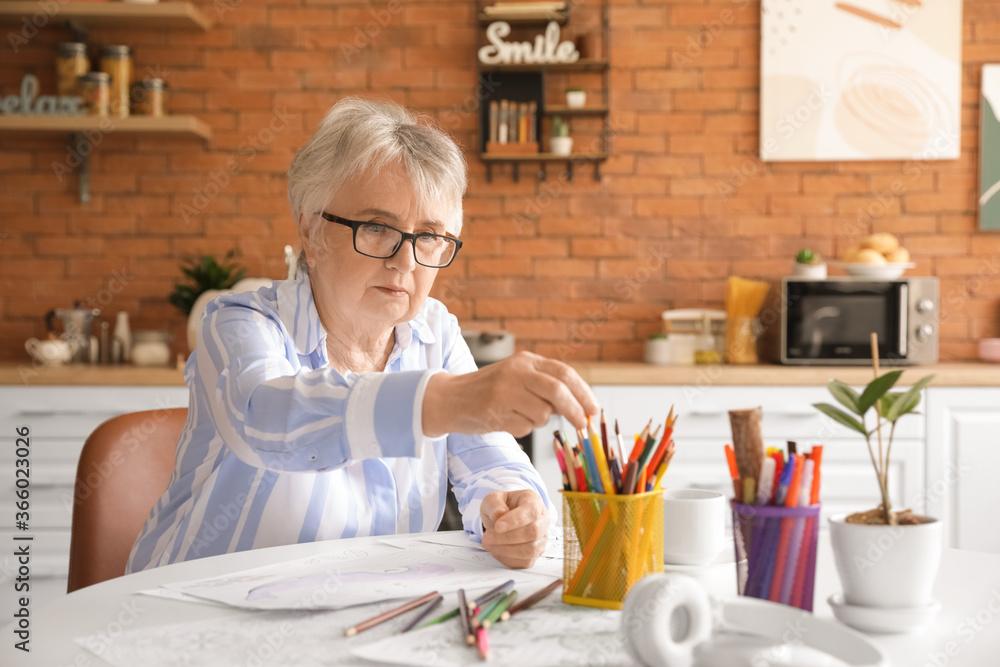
x: 776, y: 552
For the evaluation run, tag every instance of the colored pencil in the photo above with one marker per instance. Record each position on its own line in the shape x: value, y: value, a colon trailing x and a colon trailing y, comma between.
x: 602, y: 463
x: 495, y: 613
x: 535, y: 598
x: 593, y: 475
x: 442, y: 618
x: 463, y: 606
x: 493, y: 592
x: 388, y: 615
x: 483, y: 642
x: 431, y: 606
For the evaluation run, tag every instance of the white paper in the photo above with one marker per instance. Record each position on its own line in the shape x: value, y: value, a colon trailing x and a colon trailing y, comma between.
x: 336, y: 583
x: 551, y: 633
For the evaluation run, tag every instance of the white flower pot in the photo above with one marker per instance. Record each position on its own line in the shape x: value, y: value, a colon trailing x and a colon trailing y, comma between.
x: 886, y: 566
x: 817, y: 271
x: 576, y: 99
x: 657, y: 351
x: 561, y: 145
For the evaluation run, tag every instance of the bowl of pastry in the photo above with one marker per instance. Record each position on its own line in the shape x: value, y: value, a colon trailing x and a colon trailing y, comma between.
x: 877, y: 257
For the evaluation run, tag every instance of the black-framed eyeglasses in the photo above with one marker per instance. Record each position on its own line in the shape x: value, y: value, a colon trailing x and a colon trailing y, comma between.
x: 373, y: 239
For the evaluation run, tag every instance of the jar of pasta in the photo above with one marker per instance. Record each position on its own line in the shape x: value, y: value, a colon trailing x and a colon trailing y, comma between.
x: 94, y: 88
x: 116, y: 62
x: 71, y: 64
x: 147, y: 97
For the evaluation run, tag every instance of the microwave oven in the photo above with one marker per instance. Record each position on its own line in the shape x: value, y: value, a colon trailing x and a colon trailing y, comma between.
x: 830, y: 321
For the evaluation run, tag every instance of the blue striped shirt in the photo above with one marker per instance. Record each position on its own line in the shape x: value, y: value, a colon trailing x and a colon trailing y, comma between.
x: 280, y: 448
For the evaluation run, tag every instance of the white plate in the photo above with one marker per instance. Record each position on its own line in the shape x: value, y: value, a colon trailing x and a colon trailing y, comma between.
x: 886, y: 620
x: 889, y: 271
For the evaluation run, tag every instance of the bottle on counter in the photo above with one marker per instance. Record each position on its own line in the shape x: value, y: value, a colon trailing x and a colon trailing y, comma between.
x: 116, y: 62
x: 123, y: 336
x: 71, y: 63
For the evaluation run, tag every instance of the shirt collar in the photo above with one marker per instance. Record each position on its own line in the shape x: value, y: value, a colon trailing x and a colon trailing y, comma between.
x: 297, y: 311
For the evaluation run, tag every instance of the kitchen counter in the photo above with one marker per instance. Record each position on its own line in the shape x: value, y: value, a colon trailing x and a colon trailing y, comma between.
x: 970, y: 374
x: 124, y: 375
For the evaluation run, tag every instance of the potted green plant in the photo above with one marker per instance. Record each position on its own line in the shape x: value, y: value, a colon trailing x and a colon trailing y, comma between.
x: 887, y: 560
x: 561, y: 143
x: 809, y: 264
x: 207, y: 279
x: 657, y: 349
x: 576, y: 98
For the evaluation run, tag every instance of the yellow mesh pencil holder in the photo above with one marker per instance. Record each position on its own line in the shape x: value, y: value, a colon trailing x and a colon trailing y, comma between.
x: 610, y: 542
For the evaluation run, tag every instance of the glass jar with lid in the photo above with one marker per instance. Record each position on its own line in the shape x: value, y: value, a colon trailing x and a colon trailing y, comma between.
x: 71, y: 63
x: 148, y: 97
x: 116, y: 62
x: 93, y: 88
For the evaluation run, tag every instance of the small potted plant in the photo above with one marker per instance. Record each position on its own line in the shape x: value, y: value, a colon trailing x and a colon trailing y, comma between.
x: 887, y: 560
x: 657, y: 349
x: 809, y: 265
x: 576, y: 98
x: 561, y: 143
x: 207, y: 278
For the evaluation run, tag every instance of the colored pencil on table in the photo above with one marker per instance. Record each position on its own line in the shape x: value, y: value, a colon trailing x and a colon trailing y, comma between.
x: 431, y: 606
x: 388, y: 615
x: 493, y: 592
x: 535, y: 597
x: 463, y: 606
x: 483, y: 642
x: 499, y: 609
x: 442, y: 618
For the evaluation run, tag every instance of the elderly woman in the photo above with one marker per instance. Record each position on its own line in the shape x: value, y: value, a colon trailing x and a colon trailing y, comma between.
x: 339, y: 403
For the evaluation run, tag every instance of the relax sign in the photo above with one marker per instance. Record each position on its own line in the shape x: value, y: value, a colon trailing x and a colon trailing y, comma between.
x: 28, y: 102
x: 547, y: 49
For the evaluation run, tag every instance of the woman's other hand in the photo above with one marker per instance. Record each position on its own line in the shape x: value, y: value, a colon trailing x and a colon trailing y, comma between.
x: 516, y: 527
x: 516, y: 394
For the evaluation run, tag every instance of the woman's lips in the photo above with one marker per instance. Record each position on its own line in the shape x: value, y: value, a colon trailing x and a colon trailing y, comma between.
x: 391, y: 291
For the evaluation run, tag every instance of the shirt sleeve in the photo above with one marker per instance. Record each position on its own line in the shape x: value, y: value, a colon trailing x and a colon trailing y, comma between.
x: 273, y: 415
x: 481, y: 464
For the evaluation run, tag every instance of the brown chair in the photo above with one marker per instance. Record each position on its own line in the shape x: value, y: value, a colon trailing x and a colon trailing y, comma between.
x: 124, y: 468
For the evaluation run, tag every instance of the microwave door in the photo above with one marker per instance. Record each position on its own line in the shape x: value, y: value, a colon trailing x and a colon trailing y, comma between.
x: 814, y: 329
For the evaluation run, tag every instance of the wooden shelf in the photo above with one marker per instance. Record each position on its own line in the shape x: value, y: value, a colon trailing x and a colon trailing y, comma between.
x: 114, y: 14
x: 144, y: 124
x: 559, y: 17
x: 581, y: 65
x: 573, y: 111
x: 544, y: 157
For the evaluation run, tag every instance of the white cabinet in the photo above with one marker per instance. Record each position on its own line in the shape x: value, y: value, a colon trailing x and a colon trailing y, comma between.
x: 849, y: 482
x: 59, y: 419
x: 963, y: 484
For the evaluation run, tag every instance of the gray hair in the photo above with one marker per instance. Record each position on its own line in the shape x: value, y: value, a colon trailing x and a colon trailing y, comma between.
x: 359, y: 135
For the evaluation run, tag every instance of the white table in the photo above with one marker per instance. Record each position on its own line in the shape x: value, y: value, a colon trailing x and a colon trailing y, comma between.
x: 967, y: 583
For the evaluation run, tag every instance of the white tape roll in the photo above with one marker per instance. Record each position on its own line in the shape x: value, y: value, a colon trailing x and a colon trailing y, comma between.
x: 664, y: 617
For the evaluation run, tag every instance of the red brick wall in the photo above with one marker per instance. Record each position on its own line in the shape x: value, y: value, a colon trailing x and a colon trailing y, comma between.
x: 580, y: 269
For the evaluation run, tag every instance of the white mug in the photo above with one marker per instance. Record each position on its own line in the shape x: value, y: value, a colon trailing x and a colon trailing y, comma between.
x: 694, y: 526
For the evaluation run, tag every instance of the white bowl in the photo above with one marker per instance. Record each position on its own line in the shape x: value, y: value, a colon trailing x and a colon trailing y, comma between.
x: 889, y: 271
x: 886, y: 620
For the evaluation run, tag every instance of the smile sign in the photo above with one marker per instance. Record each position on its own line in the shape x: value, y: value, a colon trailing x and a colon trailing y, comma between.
x: 546, y: 50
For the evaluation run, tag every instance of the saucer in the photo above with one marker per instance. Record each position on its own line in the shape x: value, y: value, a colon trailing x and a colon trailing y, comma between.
x: 726, y: 556
x: 885, y: 620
